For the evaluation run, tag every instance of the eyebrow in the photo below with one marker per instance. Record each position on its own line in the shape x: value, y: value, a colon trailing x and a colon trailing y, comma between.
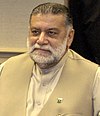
x: 52, y: 28
x: 34, y: 28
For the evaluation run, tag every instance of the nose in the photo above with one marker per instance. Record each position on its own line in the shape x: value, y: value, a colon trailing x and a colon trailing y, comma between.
x: 42, y: 39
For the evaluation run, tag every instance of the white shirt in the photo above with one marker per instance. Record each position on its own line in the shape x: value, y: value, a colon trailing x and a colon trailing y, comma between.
x: 43, y: 90
x: 41, y: 86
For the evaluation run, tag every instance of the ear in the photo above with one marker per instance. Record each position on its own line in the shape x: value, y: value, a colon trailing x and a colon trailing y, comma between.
x: 70, y: 36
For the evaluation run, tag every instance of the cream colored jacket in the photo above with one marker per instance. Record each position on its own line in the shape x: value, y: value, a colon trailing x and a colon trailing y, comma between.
x: 75, y: 87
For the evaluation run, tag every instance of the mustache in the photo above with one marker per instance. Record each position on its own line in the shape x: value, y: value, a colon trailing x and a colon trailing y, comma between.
x: 44, y: 47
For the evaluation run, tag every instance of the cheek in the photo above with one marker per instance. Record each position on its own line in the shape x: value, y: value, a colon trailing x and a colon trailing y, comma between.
x: 32, y: 41
x: 55, y: 43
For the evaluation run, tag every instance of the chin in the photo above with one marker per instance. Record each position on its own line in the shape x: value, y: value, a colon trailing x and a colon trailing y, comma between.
x: 42, y: 59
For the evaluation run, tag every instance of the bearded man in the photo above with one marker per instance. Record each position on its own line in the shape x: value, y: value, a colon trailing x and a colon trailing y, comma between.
x: 50, y: 79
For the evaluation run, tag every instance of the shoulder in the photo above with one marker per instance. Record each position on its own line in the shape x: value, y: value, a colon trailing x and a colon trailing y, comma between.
x: 21, y: 59
x: 25, y: 55
x: 75, y: 58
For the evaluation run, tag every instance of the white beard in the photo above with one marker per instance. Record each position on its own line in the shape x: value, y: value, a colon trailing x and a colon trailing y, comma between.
x: 51, y: 57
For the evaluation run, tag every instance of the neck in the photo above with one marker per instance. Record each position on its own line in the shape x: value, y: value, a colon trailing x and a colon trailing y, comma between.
x: 45, y: 66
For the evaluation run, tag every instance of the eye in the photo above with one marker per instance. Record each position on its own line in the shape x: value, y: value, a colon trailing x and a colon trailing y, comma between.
x: 35, y: 32
x: 52, y: 33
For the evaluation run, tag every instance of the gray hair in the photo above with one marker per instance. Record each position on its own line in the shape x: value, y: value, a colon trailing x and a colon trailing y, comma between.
x: 53, y: 8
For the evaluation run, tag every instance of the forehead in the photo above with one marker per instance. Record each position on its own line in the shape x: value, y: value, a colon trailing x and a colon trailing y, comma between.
x: 47, y: 20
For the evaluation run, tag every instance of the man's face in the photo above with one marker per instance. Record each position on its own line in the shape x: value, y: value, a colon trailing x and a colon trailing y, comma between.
x: 48, y: 38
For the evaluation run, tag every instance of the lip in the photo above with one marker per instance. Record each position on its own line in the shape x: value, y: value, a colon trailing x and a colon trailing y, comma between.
x: 42, y: 50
